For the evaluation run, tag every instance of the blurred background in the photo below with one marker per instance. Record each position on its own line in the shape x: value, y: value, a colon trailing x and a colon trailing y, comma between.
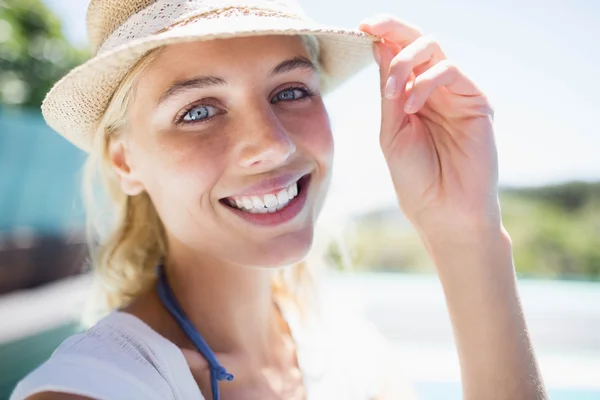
x: 536, y: 60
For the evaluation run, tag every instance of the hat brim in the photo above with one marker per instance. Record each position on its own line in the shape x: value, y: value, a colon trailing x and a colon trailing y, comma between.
x: 77, y: 102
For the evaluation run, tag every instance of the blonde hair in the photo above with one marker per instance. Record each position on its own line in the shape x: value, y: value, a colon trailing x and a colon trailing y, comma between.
x: 125, y: 234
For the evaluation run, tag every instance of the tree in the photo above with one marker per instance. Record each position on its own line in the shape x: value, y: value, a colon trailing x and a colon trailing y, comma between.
x: 34, y: 53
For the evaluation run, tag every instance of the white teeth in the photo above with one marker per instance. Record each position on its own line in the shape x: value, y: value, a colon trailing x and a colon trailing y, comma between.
x: 293, y: 190
x: 268, y: 203
x: 257, y: 202
x: 270, y: 200
x: 282, y: 197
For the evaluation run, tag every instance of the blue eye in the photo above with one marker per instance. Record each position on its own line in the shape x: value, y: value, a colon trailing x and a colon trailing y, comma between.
x: 290, y: 94
x: 199, y: 113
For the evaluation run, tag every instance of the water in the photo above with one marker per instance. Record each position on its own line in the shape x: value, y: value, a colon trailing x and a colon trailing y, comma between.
x: 563, y: 318
x: 452, y: 391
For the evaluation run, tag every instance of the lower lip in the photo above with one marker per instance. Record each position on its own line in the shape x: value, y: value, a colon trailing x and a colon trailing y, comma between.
x: 282, y: 216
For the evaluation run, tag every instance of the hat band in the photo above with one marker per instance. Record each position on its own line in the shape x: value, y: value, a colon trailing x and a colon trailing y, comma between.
x: 162, y: 15
x: 231, y: 12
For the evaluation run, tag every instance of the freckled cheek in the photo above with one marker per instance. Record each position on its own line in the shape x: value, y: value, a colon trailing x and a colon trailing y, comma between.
x: 316, y: 138
x: 187, y: 171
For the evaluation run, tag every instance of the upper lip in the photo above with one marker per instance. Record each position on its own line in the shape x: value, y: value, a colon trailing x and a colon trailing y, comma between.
x: 270, y: 185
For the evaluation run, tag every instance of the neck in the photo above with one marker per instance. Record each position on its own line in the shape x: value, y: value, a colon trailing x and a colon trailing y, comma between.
x: 230, y: 305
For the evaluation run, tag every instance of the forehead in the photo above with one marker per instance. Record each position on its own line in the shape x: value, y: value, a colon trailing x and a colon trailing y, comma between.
x: 223, y: 57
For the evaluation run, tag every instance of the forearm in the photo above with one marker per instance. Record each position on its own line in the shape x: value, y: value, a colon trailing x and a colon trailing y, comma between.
x: 477, y: 275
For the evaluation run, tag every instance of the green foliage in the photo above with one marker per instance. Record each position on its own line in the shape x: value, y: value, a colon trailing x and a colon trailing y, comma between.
x: 569, y: 196
x: 555, y: 229
x: 555, y: 232
x: 33, y: 52
x: 383, y: 246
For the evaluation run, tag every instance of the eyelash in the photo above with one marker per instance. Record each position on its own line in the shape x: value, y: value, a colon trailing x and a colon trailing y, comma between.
x: 180, y: 118
x: 306, y: 91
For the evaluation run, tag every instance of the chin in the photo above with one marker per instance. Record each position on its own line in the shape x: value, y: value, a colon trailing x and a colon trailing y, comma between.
x: 285, y: 250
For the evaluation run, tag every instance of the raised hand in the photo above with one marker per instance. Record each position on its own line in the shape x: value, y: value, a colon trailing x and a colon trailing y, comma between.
x: 436, y: 132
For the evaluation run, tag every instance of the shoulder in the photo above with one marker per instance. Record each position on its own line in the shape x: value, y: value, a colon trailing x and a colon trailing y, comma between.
x: 119, y: 357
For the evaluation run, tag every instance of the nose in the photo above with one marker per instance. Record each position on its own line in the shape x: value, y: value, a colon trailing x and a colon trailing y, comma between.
x: 265, y: 143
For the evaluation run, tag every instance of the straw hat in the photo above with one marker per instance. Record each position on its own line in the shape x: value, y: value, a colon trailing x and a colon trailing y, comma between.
x: 122, y: 31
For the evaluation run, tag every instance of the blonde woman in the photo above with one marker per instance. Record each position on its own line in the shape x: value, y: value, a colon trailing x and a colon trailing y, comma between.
x: 205, y: 121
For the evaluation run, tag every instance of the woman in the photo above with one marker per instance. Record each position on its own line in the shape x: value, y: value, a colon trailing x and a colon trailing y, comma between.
x: 206, y: 122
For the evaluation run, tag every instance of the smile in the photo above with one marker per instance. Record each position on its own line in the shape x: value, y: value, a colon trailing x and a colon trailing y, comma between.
x: 272, y: 208
x: 262, y: 204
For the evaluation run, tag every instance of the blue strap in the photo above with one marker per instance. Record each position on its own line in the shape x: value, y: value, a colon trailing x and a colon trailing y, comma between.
x: 217, y: 372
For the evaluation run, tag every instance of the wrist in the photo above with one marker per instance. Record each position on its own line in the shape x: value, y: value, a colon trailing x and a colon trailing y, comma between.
x: 463, y: 231
x: 472, y: 241
x: 458, y: 223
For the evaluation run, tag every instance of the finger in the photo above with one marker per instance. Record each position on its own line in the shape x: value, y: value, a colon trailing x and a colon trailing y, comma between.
x: 443, y: 74
x: 384, y: 56
x: 417, y: 57
x: 391, y: 28
x: 392, y: 114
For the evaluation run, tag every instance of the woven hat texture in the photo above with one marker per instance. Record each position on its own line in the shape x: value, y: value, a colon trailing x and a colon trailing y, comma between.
x: 122, y: 31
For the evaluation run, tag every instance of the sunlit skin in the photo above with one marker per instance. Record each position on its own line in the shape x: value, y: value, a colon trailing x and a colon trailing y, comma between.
x: 187, y: 167
x: 244, y: 137
x: 437, y: 137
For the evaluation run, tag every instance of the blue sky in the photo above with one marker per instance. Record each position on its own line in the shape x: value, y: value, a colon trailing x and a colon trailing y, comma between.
x: 538, y: 61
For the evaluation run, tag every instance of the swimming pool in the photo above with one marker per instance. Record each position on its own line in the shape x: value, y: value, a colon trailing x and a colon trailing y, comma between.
x: 410, y: 311
x: 452, y: 391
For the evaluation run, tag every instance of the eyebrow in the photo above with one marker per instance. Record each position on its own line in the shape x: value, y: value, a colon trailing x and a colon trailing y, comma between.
x: 201, y: 82
x: 293, y: 64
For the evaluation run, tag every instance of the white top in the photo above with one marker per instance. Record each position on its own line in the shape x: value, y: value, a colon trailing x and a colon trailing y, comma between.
x: 121, y: 357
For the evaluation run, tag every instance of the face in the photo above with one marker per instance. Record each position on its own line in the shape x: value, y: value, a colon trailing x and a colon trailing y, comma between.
x: 232, y: 143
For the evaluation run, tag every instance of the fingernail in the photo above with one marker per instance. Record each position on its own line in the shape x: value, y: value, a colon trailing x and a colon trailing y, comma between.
x: 376, y: 53
x: 409, y: 103
x: 390, y: 87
